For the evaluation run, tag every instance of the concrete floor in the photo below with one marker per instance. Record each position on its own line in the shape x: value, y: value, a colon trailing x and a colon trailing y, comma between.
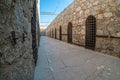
x: 59, y: 60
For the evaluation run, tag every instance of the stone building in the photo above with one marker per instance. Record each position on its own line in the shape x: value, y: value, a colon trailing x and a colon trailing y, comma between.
x: 19, y: 39
x: 42, y: 32
x: 93, y: 24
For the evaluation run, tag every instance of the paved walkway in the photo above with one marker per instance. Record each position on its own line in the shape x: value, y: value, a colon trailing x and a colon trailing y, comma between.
x: 59, y: 60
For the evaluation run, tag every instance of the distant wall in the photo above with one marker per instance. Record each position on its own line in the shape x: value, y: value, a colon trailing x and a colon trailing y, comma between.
x: 42, y: 32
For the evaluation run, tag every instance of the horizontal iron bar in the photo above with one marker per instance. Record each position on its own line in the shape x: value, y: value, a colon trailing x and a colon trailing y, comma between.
x: 105, y: 36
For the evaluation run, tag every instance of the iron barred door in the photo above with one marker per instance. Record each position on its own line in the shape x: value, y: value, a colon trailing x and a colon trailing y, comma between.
x: 52, y: 34
x: 60, y: 33
x: 69, y: 33
x: 55, y: 33
x: 33, y: 31
x: 90, y: 32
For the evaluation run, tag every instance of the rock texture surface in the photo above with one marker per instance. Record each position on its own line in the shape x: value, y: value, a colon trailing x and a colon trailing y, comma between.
x: 107, y: 14
x: 16, y: 60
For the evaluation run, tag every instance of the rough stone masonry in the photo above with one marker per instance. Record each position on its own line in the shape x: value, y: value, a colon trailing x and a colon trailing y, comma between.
x: 107, y: 16
x: 16, y: 53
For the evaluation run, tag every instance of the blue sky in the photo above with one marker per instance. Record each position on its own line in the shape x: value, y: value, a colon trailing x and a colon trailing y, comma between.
x: 52, y: 6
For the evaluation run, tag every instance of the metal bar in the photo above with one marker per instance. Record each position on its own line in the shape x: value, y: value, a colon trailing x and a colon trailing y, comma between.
x: 106, y: 36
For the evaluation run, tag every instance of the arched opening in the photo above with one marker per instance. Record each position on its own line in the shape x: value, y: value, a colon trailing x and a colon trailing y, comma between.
x: 55, y: 33
x: 52, y: 33
x: 90, y: 32
x: 60, y: 33
x: 69, y: 33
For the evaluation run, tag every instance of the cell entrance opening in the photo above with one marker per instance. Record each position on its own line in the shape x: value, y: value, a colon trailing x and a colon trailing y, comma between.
x: 90, y: 32
x: 60, y: 33
x: 69, y: 33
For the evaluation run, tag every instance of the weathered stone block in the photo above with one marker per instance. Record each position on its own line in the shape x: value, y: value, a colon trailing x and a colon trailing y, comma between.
x: 108, y: 14
x: 112, y: 3
x: 100, y: 32
x: 87, y: 12
x: 117, y: 2
x: 100, y: 11
x: 100, y: 16
x: 118, y: 34
x: 117, y: 14
x: 78, y: 9
x: 95, y: 3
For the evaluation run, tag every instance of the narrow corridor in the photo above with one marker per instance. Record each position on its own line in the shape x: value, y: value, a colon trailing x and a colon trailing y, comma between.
x: 59, y: 60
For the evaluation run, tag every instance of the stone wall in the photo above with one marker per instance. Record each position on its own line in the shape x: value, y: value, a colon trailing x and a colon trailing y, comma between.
x: 16, y: 54
x: 42, y: 32
x: 107, y: 14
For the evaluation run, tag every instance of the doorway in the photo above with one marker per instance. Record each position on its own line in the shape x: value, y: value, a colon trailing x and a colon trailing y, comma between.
x: 60, y: 33
x: 69, y: 33
x: 55, y: 33
x: 90, y: 32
